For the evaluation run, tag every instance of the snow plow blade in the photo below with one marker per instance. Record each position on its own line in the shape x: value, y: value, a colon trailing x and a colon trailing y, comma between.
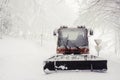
x: 75, y: 63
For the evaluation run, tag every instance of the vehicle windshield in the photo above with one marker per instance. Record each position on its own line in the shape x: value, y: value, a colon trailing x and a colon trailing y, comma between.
x: 73, y: 37
x: 71, y: 34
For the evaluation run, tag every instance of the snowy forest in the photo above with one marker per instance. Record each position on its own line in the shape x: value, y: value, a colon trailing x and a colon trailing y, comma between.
x: 26, y: 31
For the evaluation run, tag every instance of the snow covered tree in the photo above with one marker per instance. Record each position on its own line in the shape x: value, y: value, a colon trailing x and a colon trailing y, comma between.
x: 102, y: 15
x: 5, y: 18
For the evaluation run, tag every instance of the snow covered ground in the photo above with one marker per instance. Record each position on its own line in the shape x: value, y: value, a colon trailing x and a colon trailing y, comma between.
x: 23, y: 60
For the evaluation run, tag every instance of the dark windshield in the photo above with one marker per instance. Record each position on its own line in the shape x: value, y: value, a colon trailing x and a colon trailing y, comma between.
x: 72, y: 37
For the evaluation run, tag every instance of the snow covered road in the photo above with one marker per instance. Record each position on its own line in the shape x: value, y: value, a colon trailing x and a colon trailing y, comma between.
x: 23, y: 60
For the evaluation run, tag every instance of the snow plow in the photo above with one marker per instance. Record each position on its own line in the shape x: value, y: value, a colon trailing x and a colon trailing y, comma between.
x: 73, y: 52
